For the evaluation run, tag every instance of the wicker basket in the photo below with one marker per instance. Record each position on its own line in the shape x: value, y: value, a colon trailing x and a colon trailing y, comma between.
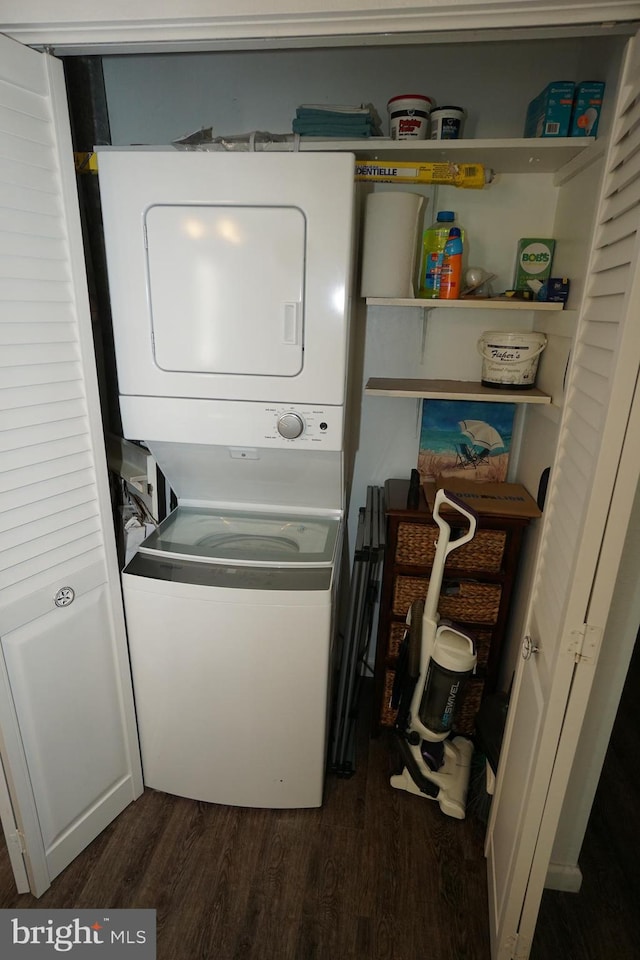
x: 387, y: 713
x: 396, y: 635
x: 417, y: 546
x: 465, y: 719
x: 472, y: 602
x: 482, y: 640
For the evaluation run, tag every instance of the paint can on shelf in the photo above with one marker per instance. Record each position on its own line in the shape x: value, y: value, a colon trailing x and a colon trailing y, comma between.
x: 447, y: 123
x: 409, y: 116
x: 510, y: 360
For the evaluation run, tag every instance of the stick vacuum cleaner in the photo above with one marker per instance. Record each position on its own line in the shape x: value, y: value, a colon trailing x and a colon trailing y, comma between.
x: 435, y: 660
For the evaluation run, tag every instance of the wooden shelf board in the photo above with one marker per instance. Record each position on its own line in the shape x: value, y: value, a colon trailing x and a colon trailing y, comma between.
x: 451, y: 390
x: 519, y: 155
x: 469, y: 303
x: 535, y: 155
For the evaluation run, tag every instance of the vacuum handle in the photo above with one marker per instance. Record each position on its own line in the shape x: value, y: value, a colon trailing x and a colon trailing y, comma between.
x: 444, y: 547
x: 445, y: 496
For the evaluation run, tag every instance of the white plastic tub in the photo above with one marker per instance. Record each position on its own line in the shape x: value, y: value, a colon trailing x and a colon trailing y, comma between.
x: 409, y: 116
x: 447, y: 123
x: 510, y: 360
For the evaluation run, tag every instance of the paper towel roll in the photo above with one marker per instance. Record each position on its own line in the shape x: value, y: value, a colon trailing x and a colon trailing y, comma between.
x: 390, y: 244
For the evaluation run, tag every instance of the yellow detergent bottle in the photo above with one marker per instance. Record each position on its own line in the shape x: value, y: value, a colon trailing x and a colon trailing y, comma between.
x: 451, y: 273
x: 433, y: 244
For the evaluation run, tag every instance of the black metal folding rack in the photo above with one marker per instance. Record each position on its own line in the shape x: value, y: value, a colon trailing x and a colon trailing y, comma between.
x: 368, y: 555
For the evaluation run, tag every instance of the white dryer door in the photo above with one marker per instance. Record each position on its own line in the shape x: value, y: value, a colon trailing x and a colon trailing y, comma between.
x: 229, y: 278
x: 226, y: 288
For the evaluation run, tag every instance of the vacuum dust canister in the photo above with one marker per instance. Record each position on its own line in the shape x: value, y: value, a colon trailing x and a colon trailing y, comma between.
x: 453, y: 659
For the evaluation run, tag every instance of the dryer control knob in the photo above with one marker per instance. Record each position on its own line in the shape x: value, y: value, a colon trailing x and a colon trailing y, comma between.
x: 290, y: 425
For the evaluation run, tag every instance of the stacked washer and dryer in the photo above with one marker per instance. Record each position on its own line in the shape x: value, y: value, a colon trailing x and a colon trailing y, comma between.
x: 229, y: 278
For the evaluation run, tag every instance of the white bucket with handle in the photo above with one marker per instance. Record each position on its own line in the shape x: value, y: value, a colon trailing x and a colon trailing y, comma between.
x: 510, y: 360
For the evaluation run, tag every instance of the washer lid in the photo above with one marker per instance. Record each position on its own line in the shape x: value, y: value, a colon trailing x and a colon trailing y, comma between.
x: 246, y: 537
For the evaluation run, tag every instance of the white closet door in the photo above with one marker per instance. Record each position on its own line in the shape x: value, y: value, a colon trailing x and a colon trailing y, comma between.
x: 67, y: 725
x: 573, y: 584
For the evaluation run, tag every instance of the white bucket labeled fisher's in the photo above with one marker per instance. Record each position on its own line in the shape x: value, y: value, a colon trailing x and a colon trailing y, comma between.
x: 510, y: 360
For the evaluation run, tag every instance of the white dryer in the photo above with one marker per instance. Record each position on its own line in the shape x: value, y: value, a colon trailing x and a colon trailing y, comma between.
x: 230, y: 280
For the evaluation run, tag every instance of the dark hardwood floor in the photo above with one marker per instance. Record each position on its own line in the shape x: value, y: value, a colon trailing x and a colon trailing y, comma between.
x: 373, y: 873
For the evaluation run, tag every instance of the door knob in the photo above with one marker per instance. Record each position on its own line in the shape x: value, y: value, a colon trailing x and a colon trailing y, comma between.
x: 528, y: 648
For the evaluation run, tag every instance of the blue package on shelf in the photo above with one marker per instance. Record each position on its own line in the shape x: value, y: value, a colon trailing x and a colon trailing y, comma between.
x: 587, y: 102
x: 549, y: 114
x: 554, y: 290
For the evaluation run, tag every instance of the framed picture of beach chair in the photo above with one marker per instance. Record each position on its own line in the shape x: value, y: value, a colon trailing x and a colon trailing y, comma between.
x: 465, y: 438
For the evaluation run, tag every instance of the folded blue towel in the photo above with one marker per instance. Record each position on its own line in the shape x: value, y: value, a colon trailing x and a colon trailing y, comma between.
x: 337, y: 107
x: 311, y: 126
x: 316, y: 120
x: 305, y: 113
x: 330, y: 134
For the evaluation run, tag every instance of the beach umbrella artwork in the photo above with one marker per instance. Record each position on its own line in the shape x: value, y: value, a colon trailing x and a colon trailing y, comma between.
x: 481, y: 434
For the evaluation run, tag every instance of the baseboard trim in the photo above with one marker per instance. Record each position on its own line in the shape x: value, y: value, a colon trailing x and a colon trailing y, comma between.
x: 565, y: 877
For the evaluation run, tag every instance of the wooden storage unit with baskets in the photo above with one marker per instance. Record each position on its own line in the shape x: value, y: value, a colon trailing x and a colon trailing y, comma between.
x: 476, y: 592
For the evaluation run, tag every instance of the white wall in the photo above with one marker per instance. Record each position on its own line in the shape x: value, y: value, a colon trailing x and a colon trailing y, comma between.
x: 157, y: 98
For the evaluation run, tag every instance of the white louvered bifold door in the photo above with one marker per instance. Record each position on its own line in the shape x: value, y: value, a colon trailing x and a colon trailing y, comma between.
x: 67, y: 728
x: 592, y: 487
